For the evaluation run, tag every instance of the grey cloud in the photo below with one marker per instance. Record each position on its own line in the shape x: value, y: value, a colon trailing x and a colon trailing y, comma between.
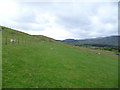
x: 74, y: 22
x: 26, y: 19
x: 28, y: 26
x: 74, y: 18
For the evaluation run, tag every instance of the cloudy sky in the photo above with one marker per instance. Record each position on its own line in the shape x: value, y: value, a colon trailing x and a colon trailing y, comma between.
x: 61, y: 20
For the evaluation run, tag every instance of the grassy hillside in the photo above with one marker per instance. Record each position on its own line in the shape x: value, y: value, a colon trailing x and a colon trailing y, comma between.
x: 21, y: 37
x: 49, y: 64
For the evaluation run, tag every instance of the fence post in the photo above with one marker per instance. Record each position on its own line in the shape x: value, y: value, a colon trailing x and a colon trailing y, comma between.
x: 18, y: 40
x: 6, y: 41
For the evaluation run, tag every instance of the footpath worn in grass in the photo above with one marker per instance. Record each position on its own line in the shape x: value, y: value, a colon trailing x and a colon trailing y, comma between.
x: 53, y: 65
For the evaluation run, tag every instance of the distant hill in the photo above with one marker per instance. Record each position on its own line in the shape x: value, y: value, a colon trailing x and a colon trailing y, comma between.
x: 101, y: 41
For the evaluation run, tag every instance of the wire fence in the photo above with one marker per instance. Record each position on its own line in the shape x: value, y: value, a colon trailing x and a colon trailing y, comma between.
x: 12, y: 37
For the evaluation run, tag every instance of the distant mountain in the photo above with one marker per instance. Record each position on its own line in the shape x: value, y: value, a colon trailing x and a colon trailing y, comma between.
x: 107, y: 41
x: 69, y: 40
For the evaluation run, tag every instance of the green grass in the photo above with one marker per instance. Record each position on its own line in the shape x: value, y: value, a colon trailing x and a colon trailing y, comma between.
x: 41, y: 62
x: 54, y: 65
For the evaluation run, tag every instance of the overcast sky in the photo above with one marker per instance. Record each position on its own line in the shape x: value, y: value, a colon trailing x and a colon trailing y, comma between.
x: 61, y: 20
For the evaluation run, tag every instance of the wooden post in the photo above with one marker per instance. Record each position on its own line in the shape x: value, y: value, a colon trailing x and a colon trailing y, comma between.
x: 6, y: 41
x: 18, y: 40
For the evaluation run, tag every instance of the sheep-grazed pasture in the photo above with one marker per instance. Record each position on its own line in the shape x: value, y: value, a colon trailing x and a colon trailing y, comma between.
x: 11, y: 36
x: 54, y: 65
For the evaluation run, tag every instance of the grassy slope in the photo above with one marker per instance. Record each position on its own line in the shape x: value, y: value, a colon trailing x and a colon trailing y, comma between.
x: 53, y: 65
x: 20, y: 37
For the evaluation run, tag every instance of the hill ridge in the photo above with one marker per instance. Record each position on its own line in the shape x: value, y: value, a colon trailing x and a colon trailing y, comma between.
x: 109, y: 40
